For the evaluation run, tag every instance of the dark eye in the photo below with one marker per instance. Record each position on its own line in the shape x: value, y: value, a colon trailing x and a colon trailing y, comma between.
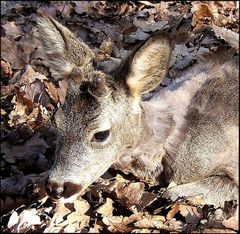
x: 101, y: 136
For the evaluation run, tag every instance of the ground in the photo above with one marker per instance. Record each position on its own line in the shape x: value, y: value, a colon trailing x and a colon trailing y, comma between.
x: 30, y: 96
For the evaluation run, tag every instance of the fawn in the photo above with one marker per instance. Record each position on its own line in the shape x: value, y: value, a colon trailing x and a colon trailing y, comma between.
x: 186, y: 133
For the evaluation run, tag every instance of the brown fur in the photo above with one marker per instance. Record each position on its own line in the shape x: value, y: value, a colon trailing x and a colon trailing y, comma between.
x: 187, y: 133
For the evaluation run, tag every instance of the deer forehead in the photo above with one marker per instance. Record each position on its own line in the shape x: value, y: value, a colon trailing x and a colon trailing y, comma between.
x: 85, y: 113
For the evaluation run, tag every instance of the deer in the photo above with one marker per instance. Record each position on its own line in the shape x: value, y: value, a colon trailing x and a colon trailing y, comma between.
x: 185, y: 133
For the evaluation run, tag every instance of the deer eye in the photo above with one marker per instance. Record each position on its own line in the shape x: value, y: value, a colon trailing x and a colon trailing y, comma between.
x: 101, y: 136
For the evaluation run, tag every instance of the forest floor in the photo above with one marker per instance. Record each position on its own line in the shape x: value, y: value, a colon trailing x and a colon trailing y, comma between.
x: 117, y: 202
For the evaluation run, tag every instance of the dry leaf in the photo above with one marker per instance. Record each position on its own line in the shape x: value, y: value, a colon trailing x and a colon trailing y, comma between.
x: 11, y: 53
x: 202, y: 16
x: 69, y: 229
x: 95, y: 229
x: 6, y: 69
x: 120, y: 223
x: 174, y: 210
x: 13, y: 220
x: 151, y: 221
x: 73, y: 217
x: 81, y: 206
x: 62, y: 91
x: 52, y: 91
x: 106, y: 209
x: 12, y: 29
x: 31, y: 147
x: 229, y: 36
x: 191, y: 213
x: 130, y: 194
x: 231, y: 223
x: 29, y: 76
x: 28, y: 218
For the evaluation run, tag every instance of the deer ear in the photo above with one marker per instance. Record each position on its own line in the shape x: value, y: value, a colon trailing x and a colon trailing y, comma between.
x: 65, y: 53
x: 149, y: 65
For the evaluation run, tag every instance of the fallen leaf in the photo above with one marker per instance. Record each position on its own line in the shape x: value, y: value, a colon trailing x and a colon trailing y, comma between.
x: 12, y: 29
x: 6, y: 69
x: 81, y: 206
x: 106, y: 209
x: 28, y: 218
x: 229, y: 36
x: 26, y: 151
x: 95, y: 229
x: 231, y: 223
x: 202, y: 16
x: 62, y: 91
x: 52, y: 91
x: 130, y: 195
x: 120, y: 223
x: 12, y: 53
x: 30, y: 76
x: 69, y: 229
x: 154, y: 221
x: 13, y: 220
x: 191, y: 213
x: 174, y: 210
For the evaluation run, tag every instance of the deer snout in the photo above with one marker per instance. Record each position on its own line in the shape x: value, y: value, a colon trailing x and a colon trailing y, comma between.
x: 61, y: 190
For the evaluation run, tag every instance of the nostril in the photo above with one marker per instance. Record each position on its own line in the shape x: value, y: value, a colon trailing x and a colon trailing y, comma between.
x: 53, y: 189
x: 57, y: 193
x: 71, y: 189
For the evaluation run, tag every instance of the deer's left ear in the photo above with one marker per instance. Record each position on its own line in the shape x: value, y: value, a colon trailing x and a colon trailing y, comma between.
x: 149, y: 65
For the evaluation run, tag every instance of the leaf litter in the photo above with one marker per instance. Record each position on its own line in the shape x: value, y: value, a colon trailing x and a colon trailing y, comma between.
x: 30, y: 96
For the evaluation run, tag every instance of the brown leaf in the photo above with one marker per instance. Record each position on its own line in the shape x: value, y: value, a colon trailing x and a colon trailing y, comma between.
x: 30, y: 76
x: 9, y: 204
x: 12, y: 53
x: 202, y: 16
x: 146, y: 199
x: 131, y: 194
x: 73, y: 217
x: 30, y: 148
x: 151, y: 221
x: 120, y: 223
x: 60, y: 211
x: 6, y: 69
x: 33, y: 91
x: 174, y: 210
x: 191, y: 213
x: 81, y: 7
x: 18, y: 115
x: 231, y: 223
x: 149, y: 26
x: 105, y: 51
x: 217, y: 230
x: 6, y: 90
x: 52, y: 90
x: 62, y: 91
x: 69, y: 229
x: 12, y: 29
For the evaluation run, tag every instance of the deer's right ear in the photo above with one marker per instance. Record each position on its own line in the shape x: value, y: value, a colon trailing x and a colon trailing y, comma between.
x: 65, y: 53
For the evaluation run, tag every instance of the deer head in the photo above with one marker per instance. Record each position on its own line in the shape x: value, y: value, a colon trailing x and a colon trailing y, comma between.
x: 102, y: 115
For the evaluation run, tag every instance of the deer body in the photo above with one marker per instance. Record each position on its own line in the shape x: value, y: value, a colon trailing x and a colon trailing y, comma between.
x: 187, y: 133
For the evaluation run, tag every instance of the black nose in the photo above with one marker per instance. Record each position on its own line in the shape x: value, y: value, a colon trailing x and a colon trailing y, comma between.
x: 54, y: 190
x: 57, y: 190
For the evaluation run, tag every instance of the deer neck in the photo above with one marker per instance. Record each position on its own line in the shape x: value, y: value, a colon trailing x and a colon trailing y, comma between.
x: 144, y: 160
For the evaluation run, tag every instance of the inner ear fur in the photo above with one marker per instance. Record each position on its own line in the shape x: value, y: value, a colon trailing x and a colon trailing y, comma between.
x: 149, y: 64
